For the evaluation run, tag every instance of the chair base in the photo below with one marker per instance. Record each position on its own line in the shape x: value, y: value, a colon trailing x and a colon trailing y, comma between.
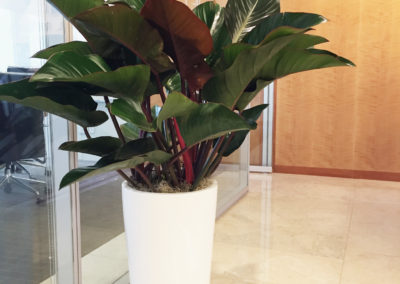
x: 9, y: 178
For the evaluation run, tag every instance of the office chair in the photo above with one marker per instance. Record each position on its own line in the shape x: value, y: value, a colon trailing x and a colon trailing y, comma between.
x: 21, y: 139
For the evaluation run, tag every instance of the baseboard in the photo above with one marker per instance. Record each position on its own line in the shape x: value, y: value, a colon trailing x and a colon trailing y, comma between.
x: 345, y: 173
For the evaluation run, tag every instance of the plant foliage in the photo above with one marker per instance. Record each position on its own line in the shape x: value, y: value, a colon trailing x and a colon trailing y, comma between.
x: 206, y: 65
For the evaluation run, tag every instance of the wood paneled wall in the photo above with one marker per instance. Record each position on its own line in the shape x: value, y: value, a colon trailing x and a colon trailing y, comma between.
x: 345, y: 121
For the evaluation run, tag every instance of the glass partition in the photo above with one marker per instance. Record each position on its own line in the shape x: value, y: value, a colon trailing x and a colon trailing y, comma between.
x: 28, y: 175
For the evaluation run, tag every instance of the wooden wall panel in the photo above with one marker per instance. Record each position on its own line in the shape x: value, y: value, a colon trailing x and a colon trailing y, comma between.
x: 345, y: 118
x: 378, y: 100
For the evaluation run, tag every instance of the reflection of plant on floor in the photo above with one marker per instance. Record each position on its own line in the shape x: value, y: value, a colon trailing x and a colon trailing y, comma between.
x: 206, y: 65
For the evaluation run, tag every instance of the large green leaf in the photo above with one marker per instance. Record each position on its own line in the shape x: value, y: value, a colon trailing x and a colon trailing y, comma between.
x: 227, y: 86
x: 79, y: 47
x: 296, y: 57
x: 241, y: 16
x: 131, y: 112
x: 157, y: 157
x: 296, y: 20
x: 99, y: 146
x: 129, y: 82
x: 262, y: 79
x: 107, y: 28
x: 67, y: 65
x: 230, y: 53
x: 78, y: 108
x: 199, y: 122
x: 129, y: 155
x: 292, y: 60
x: 130, y: 131
x: 212, y: 15
x: 130, y: 149
x: 71, y: 8
x: 134, y: 4
x: 187, y: 39
x: 251, y: 115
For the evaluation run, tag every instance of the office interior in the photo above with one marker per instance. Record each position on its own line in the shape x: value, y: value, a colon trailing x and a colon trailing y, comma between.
x: 312, y: 196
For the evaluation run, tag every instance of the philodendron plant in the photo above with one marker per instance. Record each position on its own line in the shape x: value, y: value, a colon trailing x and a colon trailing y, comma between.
x: 206, y: 65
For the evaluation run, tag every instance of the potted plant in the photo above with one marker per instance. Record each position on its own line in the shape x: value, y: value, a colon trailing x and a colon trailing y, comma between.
x: 206, y: 65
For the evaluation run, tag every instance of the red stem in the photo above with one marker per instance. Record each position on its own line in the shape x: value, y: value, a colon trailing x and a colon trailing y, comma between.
x: 187, y: 159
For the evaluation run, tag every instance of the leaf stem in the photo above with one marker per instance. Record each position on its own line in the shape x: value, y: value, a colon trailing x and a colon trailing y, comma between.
x: 114, y: 120
x: 144, y: 177
x: 220, y: 155
x: 187, y: 160
x: 124, y: 176
x: 202, y: 155
x: 176, y: 157
x: 87, y: 133
x: 208, y: 163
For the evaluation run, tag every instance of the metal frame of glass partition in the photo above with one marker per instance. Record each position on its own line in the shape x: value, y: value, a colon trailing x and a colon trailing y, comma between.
x: 267, y: 132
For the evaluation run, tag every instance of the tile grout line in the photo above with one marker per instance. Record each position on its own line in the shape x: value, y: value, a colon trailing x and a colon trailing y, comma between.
x: 348, y: 234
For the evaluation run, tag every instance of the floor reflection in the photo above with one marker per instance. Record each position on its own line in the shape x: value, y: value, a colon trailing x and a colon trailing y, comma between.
x: 25, y: 243
x: 305, y: 229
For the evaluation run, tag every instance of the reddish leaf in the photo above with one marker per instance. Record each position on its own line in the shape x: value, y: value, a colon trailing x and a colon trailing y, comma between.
x: 108, y: 27
x: 187, y: 39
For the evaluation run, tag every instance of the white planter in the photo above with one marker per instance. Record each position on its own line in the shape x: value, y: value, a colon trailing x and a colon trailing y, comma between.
x: 169, y: 235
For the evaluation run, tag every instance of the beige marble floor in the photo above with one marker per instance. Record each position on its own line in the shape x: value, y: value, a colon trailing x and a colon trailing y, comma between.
x: 292, y: 229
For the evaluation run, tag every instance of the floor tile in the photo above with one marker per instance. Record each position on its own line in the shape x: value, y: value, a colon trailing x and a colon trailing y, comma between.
x: 371, y: 269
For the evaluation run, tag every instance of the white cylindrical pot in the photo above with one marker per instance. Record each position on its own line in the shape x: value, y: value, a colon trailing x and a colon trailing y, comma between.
x: 169, y: 235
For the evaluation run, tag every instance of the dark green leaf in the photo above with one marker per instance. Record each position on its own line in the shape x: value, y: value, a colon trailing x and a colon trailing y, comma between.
x: 241, y: 16
x: 99, y: 146
x: 230, y: 54
x: 79, y: 47
x: 129, y: 82
x: 130, y: 149
x: 199, y: 122
x: 296, y: 20
x: 105, y: 26
x: 293, y: 60
x: 295, y: 57
x: 251, y: 115
x: 212, y: 15
x: 59, y: 102
x: 152, y: 88
x: 187, y: 39
x: 227, y: 86
x: 251, y: 92
x: 67, y: 65
x: 130, y: 131
x: 157, y: 157
x: 71, y: 8
x: 131, y: 112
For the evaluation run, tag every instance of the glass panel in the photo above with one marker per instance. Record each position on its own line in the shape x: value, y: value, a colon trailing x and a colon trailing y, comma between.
x: 104, y: 257
x: 27, y: 172
x: 232, y: 176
